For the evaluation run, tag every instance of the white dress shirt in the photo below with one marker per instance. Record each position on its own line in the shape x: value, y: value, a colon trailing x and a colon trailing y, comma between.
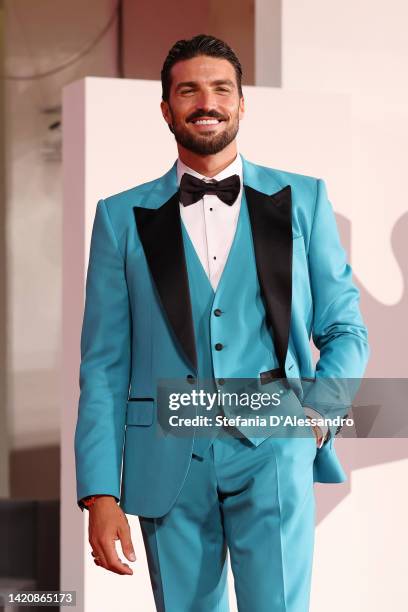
x: 211, y: 226
x: 210, y: 223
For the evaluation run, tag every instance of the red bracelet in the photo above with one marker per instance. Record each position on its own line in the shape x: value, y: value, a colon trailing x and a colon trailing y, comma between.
x: 89, y: 501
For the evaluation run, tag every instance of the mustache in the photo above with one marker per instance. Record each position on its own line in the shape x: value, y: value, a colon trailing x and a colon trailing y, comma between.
x: 201, y: 113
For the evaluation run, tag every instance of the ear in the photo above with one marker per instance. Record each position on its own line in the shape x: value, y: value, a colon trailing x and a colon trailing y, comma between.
x: 241, y: 107
x: 165, y: 112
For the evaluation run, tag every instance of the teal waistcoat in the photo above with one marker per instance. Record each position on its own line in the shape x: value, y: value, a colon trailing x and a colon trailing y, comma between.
x: 241, y: 328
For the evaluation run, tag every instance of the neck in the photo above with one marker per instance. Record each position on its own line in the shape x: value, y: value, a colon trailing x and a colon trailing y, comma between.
x: 208, y: 165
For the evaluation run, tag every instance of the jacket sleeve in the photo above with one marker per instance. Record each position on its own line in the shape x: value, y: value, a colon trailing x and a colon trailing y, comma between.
x: 104, y: 375
x: 338, y: 330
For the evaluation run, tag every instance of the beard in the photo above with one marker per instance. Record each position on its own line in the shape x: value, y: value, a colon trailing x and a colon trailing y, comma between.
x: 209, y: 143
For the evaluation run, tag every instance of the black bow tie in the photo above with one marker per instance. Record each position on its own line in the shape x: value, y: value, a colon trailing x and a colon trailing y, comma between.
x: 192, y: 189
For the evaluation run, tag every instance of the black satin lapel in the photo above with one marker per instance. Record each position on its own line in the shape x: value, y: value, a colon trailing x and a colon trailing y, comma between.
x: 271, y: 224
x: 161, y: 236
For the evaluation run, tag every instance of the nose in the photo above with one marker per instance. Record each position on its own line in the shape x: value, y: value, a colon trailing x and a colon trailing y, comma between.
x: 206, y: 100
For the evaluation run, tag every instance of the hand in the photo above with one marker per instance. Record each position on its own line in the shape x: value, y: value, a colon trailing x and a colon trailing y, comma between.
x: 318, y: 434
x: 107, y: 523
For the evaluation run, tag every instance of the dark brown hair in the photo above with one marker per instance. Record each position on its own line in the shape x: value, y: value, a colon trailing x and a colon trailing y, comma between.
x: 202, y: 44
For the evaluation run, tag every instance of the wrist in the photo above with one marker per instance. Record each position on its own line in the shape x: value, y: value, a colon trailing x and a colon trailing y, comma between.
x: 92, y: 500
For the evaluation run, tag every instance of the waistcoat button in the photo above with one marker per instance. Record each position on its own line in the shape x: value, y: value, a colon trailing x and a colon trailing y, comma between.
x: 219, y: 346
x: 217, y: 312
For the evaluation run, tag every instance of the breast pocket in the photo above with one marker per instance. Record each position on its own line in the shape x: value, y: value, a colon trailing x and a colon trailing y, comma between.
x: 140, y: 411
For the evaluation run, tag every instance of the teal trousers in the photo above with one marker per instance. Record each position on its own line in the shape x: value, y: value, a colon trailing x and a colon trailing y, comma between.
x: 255, y: 503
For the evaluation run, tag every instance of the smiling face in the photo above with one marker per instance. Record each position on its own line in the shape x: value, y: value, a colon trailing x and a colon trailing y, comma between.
x: 204, y: 106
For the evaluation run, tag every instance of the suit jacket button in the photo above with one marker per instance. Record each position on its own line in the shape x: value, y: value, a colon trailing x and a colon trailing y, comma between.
x: 219, y: 346
x: 221, y: 381
x: 191, y: 379
x: 217, y: 312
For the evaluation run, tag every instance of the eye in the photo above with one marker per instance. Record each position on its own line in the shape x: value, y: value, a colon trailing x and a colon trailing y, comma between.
x: 223, y: 89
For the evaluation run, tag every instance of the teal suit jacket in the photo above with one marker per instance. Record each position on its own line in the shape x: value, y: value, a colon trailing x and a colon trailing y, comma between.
x: 137, y: 326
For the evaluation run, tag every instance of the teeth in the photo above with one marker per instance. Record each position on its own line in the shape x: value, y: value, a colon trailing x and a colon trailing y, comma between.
x: 206, y: 121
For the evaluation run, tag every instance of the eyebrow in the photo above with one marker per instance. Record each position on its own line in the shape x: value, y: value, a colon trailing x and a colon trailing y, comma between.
x: 194, y: 83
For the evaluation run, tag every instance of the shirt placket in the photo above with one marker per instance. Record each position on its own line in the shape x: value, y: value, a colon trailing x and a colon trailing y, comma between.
x: 209, y: 207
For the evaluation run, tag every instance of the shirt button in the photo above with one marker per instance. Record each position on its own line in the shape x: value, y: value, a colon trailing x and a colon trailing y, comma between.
x: 219, y: 346
x: 217, y: 312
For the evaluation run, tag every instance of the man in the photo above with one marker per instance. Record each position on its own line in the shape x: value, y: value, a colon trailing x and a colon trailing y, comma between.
x: 218, y: 270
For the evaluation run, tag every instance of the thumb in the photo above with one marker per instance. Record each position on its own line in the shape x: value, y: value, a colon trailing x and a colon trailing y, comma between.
x: 126, y: 543
x: 318, y: 433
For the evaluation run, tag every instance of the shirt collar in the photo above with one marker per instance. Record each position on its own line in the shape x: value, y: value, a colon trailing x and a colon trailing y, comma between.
x: 235, y: 167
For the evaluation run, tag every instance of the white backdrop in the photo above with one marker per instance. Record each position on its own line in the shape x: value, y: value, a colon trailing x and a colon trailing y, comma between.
x: 114, y: 138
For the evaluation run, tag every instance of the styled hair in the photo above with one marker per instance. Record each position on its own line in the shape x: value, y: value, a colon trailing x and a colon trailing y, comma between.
x: 202, y: 44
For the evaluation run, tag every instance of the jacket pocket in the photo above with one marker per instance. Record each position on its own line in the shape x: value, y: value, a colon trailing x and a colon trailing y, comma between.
x: 140, y: 411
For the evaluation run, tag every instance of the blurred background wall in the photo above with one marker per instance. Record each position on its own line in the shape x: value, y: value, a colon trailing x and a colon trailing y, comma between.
x: 43, y: 46
x: 4, y: 462
x: 48, y: 43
